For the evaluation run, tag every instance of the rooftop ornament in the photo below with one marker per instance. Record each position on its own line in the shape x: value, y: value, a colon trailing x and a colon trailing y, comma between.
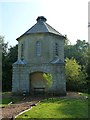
x: 41, y: 19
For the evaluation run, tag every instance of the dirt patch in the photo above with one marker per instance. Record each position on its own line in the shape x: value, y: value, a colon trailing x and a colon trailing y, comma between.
x: 14, y: 109
x: 76, y: 95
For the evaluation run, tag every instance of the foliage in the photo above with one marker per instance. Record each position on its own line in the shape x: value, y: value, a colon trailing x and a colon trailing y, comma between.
x: 88, y: 68
x: 7, y: 97
x: 75, y: 76
x: 48, y: 78
x: 1, y: 41
x: 81, y: 53
x: 58, y: 108
x: 88, y: 62
x: 9, y: 56
x: 72, y: 69
x: 77, y: 51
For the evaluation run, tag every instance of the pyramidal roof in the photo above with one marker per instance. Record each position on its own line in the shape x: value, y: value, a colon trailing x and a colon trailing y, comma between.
x: 41, y: 27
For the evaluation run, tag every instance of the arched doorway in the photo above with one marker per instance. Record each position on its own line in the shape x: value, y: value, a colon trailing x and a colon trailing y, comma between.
x: 37, y: 83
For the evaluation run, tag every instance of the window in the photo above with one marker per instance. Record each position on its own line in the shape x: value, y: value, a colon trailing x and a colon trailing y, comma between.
x: 22, y: 51
x: 56, y: 49
x: 38, y: 48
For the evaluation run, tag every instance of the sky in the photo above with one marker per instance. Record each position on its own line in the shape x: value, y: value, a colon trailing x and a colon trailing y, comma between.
x: 69, y: 17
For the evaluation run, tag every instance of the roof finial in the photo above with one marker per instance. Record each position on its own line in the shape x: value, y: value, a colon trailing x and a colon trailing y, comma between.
x: 41, y: 19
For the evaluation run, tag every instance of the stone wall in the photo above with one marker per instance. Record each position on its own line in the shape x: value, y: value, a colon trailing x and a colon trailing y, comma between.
x: 21, y: 77
x: 42, y: 63
x: 47, y: 47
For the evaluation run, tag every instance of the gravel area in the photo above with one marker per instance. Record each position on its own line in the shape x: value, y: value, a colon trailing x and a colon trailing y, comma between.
x: 12, y: 110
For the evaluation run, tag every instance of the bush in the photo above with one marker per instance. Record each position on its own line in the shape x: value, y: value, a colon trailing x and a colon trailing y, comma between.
x: 75, y: 76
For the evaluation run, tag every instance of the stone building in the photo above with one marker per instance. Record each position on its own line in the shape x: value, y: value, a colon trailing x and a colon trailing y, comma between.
x: 40, y: 50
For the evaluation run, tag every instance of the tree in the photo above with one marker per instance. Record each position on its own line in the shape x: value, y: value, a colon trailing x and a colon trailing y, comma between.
x: 81, y: 47
x: 88, y: 68
x: 1, y: 41
x: 3, y: 54
x: 88, y: 62
x: 9, y: 56
x: 48, y: 78
x: 75, y: 76
x: 77, y: 51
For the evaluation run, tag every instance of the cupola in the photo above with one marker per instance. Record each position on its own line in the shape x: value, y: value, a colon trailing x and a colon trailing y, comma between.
x: 41, y: 19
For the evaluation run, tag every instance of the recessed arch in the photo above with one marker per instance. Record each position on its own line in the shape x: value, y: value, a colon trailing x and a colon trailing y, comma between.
x: 37, y: 83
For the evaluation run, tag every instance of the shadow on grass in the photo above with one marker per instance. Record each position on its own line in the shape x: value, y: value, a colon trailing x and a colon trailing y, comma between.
x: 72, y: 108
x: 8, y: 97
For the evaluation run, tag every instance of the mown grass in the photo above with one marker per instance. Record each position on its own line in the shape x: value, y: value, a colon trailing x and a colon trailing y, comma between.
x: 7, y: 97
x: 59, y: 108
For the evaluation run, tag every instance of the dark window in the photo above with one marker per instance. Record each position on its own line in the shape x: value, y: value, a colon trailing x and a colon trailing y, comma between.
x: 56, y: 49
x: 22, y: 51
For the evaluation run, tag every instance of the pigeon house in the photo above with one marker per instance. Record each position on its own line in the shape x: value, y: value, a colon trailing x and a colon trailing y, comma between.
x: 40, y: 51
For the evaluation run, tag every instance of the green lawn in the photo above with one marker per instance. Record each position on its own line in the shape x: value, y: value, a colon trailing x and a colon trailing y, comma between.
x: 5, y: 101
x: 7, y: 98
x: 59, y: 108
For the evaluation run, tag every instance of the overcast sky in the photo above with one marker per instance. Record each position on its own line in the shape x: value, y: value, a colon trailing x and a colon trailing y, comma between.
x: 66, y: 16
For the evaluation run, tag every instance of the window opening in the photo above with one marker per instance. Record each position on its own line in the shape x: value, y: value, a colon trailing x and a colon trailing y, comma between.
x: 56, y: 49
x: 38, y: 48
x: 22, y: 51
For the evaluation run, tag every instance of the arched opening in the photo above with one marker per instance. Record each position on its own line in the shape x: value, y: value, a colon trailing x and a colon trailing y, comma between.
x: 37, y: 83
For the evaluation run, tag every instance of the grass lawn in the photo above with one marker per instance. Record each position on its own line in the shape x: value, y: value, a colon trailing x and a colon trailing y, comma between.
x: 7, y: 98
x: 58, y: 108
